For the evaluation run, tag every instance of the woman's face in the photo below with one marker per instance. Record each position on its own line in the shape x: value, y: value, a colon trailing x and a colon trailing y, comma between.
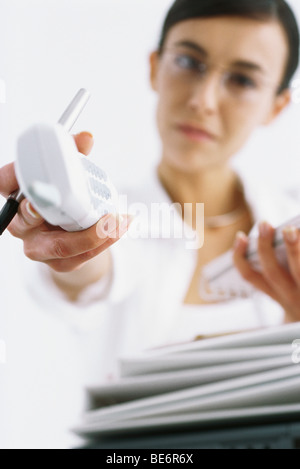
x: 216, y: 80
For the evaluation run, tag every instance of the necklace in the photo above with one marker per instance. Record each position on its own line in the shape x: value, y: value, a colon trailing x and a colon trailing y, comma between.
x: 227, y: 219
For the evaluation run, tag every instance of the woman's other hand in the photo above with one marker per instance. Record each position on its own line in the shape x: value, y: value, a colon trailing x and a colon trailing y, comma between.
x: 274, y: 280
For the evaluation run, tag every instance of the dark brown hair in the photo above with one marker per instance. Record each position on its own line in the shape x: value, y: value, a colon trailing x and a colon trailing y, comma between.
x: 261, y: 10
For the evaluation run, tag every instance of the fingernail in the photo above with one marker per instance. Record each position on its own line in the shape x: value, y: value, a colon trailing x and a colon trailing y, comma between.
x: 240, y: 240
x: 86, y: 133
x: 120, y: 218
x: 265, y: 229
x: 124, y: 225
x: 107, y: 226
x: 291, y: 234
x: 32, y: 212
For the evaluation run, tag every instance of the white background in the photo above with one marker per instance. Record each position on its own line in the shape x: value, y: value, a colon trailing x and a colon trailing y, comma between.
x: 48, y: 50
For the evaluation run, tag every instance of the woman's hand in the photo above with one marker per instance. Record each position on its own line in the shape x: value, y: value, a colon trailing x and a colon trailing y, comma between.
x: 274, y: 280
x: 62, y: 251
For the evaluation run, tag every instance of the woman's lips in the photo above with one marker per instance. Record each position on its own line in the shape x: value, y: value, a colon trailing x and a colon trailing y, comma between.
x: 196, y: 134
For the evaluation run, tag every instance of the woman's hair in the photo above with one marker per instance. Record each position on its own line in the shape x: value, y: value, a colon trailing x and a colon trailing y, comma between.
x: 261, y: 10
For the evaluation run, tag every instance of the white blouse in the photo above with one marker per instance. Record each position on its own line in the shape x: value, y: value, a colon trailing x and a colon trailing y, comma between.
x: 193, y: 321
x: 151, y: 277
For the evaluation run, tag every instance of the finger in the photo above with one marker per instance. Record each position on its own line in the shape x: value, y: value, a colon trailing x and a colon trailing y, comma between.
x: 73, y: 263
x: 45, y: 246
x: 26, y: 220
x: 246, y: 270
x: 8, y: 180
x: 292, y: 242
x: 276, y: 276
x: 84, y: 142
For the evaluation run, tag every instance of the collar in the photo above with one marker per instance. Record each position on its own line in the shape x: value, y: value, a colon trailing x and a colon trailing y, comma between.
x: 268, y: 202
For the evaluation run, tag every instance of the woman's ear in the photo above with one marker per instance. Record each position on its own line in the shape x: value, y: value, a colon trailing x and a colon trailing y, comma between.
x: 281, y: 102
x: 154, y: 60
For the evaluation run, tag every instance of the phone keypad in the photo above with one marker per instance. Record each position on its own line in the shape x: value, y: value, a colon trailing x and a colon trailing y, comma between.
x: 93, y: 170
x: 101, y: 197
x: 99, y: 189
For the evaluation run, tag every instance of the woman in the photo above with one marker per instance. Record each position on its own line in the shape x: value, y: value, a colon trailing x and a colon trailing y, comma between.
x: 217, y: 79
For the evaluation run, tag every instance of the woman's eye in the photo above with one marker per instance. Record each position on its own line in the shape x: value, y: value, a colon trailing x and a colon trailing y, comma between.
x: 242, y: 81
x: 188, y: 63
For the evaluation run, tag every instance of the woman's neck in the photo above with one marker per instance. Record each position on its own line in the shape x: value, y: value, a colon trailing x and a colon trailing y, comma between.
x: 217, y: 188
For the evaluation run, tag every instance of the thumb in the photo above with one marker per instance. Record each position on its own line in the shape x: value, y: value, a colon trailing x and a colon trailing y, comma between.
x: 84, y: 142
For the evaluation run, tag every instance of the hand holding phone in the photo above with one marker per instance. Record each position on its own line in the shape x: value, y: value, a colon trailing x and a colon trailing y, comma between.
x: 222, y: 281
x: 64, y: 187
x: 63, y: 251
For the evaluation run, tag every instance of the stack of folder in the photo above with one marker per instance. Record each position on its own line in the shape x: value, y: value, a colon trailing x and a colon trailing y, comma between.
x: 246, y: 377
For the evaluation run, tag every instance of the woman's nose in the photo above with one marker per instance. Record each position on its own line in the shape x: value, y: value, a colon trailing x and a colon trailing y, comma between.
x: 205, y: 94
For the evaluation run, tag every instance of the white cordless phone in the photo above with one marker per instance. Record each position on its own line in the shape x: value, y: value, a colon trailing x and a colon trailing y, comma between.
x: 63, y: 186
